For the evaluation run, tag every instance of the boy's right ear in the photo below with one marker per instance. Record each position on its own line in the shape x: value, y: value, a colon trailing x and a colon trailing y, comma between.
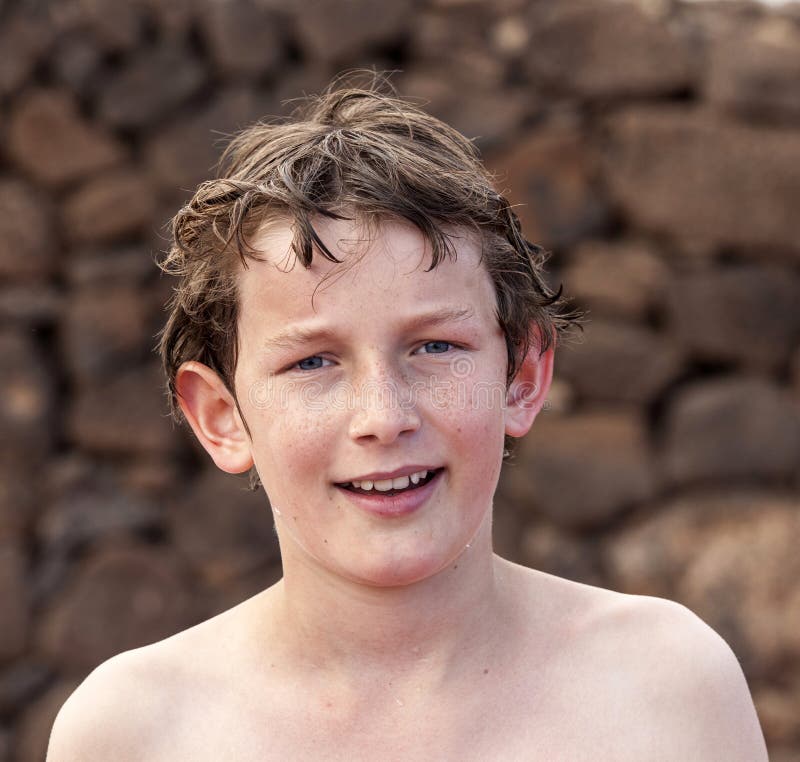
x: 212, y: 413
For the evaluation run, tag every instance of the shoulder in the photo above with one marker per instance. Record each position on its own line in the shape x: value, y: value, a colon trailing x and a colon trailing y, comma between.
x: 115, y: 713
x: 681, y: 678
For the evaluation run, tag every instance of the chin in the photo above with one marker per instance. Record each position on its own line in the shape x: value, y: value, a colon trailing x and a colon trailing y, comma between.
x: 400, y: 571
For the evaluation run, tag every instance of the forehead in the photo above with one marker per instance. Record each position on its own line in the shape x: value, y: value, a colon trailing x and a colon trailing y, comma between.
x: 383, y: 270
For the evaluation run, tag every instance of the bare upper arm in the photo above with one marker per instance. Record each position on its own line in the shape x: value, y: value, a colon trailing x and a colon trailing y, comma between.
x: 109, y: 716
x: 696, y: 699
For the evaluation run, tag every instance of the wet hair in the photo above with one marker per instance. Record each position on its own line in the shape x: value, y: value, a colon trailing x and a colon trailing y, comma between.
x: 353, y: 152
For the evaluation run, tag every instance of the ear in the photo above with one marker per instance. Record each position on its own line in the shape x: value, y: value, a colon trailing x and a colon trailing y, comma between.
x: 528, y: 390
x: 211, y: 412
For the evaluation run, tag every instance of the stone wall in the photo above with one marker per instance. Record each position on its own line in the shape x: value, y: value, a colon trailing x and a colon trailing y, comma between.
x: 655, y: 148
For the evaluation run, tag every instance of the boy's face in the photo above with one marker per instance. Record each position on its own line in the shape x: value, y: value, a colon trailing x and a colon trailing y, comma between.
x: 367, y: 371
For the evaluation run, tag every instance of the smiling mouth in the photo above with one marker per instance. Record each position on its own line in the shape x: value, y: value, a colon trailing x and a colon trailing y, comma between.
x: 390, y: 487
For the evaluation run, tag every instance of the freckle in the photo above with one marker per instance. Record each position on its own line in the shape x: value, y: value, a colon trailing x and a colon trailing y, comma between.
x: 325, y: 541
x: 455, y: 566
x: 486, y: 672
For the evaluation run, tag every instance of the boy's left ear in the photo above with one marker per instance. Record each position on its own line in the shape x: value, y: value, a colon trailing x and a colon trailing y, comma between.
x: 528, y: 391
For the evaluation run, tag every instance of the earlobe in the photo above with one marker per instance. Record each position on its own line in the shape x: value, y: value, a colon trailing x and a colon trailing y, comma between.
x: 211, y: 412
x: 528, y: 391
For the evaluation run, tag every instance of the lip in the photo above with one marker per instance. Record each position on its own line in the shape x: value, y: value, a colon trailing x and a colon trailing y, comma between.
x: 395, y: 506
x: 378, y: 475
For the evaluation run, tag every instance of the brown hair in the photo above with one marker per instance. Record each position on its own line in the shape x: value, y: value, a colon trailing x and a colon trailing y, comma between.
x: 352, y: 151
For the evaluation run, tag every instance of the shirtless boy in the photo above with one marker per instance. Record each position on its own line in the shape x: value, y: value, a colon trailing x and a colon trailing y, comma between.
x: 360, y: 320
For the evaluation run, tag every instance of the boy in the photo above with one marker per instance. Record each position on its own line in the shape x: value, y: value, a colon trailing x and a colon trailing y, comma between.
x: 360, y: 320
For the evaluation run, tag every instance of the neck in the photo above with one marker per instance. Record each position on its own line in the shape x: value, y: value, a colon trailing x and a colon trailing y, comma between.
x: 435, y: 626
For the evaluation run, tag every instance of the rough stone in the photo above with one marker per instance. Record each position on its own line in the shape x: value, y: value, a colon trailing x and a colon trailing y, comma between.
x: 24, y: 38
x: 121, y: 598
x: 551, y: 176
x: 754, y: 71
x: 76, y: 63
x: 92, y: 512
x: 154, y: 83
x: 33, y: 729
x: 732, y: 428
x: 26, y: 396
x: 331, y: 31
x: 16, y: 608
x: 27, y: 245
x: 104, y: 328
x: 125, y: 415
x: 582, y: 470
x: 19, y: 493
x: 606, y: 50
x: 116, y: 27
x: 671, y: 171
x: 626, y: 280
x: 113, y: 205
x: 619, y: 362
x: 730, y: 557
x: 27, y: 304
x: 48, y: 138
x: 184, y: 154
x: 123, y: 266
x: 744, y: 314
x: 221, y: 528
x: 777, y: 713
x: 20, y: 683
x: 488, y: 117
x: 245, y: 37
x: 554, y: 551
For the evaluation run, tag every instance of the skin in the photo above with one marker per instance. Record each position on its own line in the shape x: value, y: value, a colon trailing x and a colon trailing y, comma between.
x: 399, y: 636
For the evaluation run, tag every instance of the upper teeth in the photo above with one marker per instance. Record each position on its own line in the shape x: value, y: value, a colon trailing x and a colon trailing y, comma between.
x: 384, y: 485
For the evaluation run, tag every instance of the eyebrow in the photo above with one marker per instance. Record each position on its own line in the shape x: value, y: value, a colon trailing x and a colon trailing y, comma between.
x: 297, y: 335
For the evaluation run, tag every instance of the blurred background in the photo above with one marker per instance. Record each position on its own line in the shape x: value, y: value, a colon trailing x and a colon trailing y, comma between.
x: 653, y: 147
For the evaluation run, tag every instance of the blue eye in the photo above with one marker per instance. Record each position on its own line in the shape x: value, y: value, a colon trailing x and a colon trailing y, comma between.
x: 436, y: 347
x: 310, y: 363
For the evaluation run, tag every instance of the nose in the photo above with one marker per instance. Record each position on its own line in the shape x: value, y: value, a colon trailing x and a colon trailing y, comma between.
x: 385, y: 409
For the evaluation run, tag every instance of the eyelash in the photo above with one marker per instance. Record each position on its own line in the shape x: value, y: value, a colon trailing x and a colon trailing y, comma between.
x: 450, y: 346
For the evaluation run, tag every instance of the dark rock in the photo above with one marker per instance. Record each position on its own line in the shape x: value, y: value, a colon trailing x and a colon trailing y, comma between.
x: 744, y: 314
x: 27, y: 244
x: 126, y: 415
x: 76, y: 63
x: 109, y: 206
x: 154, y: 83
x: 730, y: 557
x: 19, y: 492
x: 121, y: 598
x: 777, y: 713
x: 331, y: 31
x: 221, y: 528
x: 606, y: 50
x: 25, y: 304
x: 91, y: 513
x: 620, y: 279
x: 550, y: 174
x: 24, y: 38
x: 581, y: 470
x: 185, y: 153
x: 117, y: 27
x: 13, y: 593
x: 671, y: 171
x: 733, y: 428
x: 20, y: 683
x: 554, y: 551
x: 619, y: 362
x: 104, y: 328
x: 126, y: 266
x: 48, y: 138
x: 489, y: 117
x: 245, y: 37
x: 754, y: 71
x: 26, y: 397
x: 36, y: 722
